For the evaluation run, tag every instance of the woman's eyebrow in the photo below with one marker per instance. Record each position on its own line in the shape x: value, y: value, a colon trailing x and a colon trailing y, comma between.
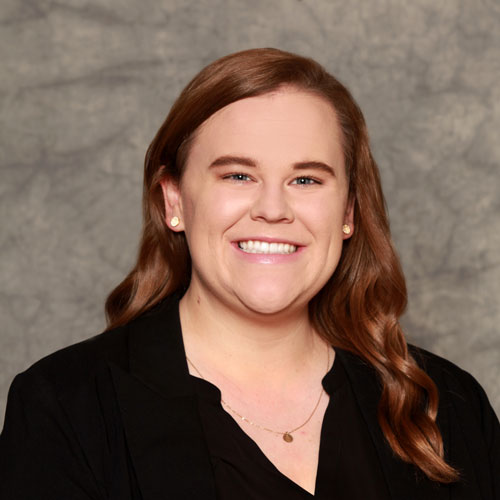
x: 233, y: 160
x: 225, y: 160
x: 314, y: 165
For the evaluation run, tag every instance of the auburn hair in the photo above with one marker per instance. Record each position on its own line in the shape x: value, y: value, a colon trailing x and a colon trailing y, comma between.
x: 359, y: 307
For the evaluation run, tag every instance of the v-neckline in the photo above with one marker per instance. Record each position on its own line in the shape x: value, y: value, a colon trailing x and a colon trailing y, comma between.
x: 332, y: 384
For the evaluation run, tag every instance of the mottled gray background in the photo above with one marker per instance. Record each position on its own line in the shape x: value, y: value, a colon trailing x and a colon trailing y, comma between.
x: 86, y: 83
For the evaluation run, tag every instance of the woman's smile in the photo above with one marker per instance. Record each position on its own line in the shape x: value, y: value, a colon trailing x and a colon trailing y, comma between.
x: 258, y: 246
x: 265, y: 252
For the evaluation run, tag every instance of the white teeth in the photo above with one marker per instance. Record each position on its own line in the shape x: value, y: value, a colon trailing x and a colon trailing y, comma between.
x: 252, y: 246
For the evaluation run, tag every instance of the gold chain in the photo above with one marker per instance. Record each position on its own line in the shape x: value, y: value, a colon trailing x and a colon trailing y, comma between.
x: 287, y: 435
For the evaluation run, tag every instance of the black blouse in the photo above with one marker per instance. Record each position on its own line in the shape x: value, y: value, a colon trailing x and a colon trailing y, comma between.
x: 348, y: 466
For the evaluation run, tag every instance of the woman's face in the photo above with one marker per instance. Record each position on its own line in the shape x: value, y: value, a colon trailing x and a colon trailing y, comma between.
x: 262, y: 202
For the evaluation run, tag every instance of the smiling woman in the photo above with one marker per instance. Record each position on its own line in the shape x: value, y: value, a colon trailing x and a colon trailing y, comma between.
x: 254, y: 351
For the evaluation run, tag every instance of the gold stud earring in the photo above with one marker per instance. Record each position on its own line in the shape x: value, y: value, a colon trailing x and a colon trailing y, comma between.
x: 346, y: 229
x: 174, y: 221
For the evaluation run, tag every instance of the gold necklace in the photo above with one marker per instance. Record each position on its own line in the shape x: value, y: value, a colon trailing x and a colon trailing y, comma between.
x: 287, y: 435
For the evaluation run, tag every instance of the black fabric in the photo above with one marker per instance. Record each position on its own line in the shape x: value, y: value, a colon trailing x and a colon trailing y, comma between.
x: 116, y: 417
x: 348, y: 463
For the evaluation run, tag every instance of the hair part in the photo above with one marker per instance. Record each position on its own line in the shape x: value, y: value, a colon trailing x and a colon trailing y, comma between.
x: 359, y: 307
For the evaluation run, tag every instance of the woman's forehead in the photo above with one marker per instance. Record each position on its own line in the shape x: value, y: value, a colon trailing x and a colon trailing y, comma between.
x: 283, y: 123
x: 284, y: 102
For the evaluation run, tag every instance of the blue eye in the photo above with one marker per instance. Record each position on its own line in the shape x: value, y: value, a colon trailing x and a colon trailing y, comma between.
x: 237, y: 177
x: 304, y: 181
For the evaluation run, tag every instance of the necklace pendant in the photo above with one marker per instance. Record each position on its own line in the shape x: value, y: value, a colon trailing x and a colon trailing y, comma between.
x: 287, y: 437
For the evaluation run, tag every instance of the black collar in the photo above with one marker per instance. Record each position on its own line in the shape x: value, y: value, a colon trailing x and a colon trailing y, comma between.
x: 163, y: 429
x: 159, y: 411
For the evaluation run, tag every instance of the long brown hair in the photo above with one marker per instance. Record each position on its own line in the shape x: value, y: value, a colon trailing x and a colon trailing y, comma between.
x: 359, y: 308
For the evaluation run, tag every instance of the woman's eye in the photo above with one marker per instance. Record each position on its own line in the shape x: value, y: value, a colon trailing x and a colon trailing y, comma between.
x: 237, y: 177
x: 303, y: 181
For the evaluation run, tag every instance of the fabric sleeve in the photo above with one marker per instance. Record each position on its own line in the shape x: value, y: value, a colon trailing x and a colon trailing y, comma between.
x: 489, y: 427
x: 40, y: 457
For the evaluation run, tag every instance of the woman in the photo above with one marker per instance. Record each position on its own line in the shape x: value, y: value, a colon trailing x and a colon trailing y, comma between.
x: 254, y: 351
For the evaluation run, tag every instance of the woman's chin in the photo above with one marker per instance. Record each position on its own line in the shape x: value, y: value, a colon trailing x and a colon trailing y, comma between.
x: 270, y: 303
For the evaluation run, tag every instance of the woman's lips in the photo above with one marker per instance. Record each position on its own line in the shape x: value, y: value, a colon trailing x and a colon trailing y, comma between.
x: 267, y: 252
x: 265, y: 247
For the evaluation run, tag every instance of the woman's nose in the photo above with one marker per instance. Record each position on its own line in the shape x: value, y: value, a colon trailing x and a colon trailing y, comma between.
x: 272, y: 205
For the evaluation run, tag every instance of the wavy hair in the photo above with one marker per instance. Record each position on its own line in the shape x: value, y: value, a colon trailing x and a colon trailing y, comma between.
x: 359, y: 307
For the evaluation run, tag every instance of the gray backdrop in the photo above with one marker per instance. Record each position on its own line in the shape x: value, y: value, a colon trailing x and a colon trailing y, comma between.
x: 86, y: 83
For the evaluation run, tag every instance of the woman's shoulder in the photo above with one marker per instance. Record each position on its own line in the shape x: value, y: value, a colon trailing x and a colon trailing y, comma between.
x: 79, y: 364
x: 443, y: 370
x: 460, y: 389
x: 68, y: 368
x: 456, y: 386
x: 60, y: 421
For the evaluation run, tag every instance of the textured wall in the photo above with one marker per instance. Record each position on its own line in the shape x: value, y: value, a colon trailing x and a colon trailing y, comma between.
x: 85, y: 84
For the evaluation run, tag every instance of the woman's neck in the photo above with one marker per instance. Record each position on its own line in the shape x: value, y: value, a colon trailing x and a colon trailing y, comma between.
x: 248, y: 348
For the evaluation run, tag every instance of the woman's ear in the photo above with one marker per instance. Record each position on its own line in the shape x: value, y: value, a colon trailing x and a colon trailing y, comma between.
x: 173, y: 204
x: 348, y: 227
